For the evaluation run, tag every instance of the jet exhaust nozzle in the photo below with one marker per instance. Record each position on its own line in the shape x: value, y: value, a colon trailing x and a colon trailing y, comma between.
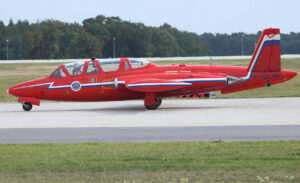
x: 231, y: 80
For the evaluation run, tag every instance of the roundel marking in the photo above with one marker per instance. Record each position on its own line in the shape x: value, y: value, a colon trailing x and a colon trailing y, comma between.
x: 75, y: 86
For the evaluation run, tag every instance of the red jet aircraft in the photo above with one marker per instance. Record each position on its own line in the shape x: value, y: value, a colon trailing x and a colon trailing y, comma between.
x: 129, y: 78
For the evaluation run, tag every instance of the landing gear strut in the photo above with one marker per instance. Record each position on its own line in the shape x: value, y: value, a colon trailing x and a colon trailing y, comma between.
x: 159, y: 101
x: 155, y: 106
x: 27, y: 106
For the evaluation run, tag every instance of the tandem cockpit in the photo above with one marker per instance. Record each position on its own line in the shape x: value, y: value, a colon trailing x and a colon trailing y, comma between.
x: 98, y: 66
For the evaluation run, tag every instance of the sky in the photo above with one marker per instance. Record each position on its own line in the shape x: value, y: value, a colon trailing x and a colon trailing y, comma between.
x: 199, y: 16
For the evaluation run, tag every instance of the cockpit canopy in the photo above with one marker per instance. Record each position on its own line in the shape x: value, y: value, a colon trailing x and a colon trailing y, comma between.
x: 98, y: 66
x: 75, y: 68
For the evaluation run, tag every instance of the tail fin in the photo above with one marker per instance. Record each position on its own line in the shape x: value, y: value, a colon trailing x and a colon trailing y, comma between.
x: 266, y: 57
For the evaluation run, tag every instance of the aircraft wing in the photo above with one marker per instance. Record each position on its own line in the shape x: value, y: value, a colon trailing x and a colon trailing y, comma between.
x: 155, y: 85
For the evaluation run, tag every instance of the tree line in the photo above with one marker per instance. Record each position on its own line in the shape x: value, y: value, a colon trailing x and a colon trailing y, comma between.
x: 241, y: 43
x: 53, y: 39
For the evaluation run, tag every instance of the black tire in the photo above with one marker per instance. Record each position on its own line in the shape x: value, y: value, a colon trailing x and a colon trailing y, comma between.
x: 27, y: 106
x: 151, y: 107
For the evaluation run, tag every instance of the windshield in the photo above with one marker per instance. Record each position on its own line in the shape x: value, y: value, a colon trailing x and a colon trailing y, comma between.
x: 58, y: 73
x: 74, y: 68
x: 137, y: 63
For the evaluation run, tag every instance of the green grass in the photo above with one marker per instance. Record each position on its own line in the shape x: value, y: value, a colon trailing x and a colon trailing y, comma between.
x: 11, y: 74
x: 150, y: 162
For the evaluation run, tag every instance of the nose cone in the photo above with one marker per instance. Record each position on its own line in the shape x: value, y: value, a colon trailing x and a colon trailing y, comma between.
x: 26, y: 89
x: 12, y: 91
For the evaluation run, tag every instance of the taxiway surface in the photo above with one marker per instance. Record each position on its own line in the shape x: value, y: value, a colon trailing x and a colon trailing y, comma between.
x: 175, y: 120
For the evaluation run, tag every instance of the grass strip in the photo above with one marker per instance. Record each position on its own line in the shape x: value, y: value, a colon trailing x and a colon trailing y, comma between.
x: 209, y: 161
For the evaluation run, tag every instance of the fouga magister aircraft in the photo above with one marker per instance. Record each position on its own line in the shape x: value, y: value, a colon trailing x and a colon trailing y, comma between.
x: 129, y: 78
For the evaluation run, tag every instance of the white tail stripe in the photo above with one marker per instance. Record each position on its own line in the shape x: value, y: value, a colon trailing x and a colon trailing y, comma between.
x: 266, y: 38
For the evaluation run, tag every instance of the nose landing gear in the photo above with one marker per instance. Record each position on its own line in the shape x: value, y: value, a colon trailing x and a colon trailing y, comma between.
x: 27, y: 106
x: 27, y: 102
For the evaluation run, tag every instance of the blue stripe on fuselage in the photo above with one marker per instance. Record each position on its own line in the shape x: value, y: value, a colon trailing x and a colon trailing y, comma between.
x: 156, y: 85
x: 205, y: 81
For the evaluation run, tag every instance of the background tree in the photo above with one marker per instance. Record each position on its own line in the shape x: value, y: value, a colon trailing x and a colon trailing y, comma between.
x: 86, y: 46
x: 53, y: 39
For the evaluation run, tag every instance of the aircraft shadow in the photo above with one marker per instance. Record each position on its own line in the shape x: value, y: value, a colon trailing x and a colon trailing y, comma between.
x: 132, y: 109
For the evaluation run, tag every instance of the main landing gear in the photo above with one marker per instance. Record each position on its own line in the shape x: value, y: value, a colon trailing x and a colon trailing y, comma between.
x: 154, y: 106
x: 27, y: 106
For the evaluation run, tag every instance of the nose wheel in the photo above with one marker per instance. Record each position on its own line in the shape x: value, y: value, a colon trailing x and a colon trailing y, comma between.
x: 27, y: 106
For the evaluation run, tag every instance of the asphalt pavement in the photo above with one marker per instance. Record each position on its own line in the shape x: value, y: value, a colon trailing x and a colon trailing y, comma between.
x: 175, y: 120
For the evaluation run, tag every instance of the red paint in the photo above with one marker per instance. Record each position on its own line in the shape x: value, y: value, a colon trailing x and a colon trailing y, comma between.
x: 33, y: 101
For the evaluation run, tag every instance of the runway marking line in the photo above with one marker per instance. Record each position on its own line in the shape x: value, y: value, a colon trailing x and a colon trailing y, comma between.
x: 278, y: 123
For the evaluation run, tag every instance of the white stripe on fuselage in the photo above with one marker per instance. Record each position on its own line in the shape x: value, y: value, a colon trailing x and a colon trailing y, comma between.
x: 50, y: 85
x: 201, y: 80
x: 157, y: 84
x: 186, y: 82
x: 46, y: 84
